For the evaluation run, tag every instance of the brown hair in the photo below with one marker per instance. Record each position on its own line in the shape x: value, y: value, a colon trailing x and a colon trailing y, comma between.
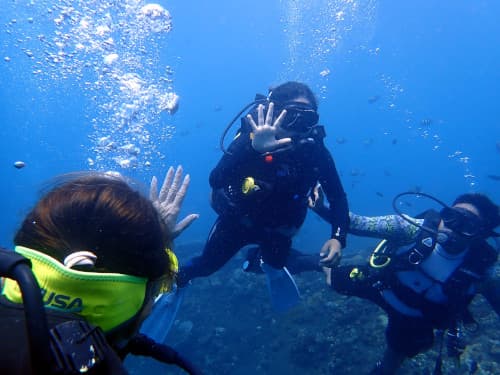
x: 100, y: 213
x: 489, y: 211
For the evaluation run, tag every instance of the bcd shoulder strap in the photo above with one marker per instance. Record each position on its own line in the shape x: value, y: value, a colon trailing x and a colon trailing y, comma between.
x: 426, y: 239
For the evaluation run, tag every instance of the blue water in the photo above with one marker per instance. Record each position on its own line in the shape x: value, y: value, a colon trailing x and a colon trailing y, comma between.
x: 408, y: 93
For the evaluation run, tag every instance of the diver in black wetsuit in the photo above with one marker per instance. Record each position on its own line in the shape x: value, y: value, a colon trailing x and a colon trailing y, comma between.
x: 424, y: 275
x: 261, y: 185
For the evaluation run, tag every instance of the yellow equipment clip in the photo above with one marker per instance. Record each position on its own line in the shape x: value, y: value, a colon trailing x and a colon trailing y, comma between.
x: 356, y: 274
x: 249, y: 186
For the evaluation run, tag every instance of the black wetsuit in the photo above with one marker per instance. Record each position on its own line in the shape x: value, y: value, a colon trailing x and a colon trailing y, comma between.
x: 415, y: 309
x: 14, y: 349
x: 272, y: 213
x: 16, y: 358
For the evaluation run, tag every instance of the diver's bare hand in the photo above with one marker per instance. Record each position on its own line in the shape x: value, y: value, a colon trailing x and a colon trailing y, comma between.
x: 169, y: 201
x: 265, y: 131
x: 330, y: 253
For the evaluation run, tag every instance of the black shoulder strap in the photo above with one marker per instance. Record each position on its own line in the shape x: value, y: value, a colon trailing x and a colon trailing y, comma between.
x: 426, y: 240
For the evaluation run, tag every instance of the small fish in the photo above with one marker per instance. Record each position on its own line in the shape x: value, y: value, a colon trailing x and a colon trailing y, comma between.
x: 498, y: 146
x: 381, y: 195
x: 494, y: 177
x: 373, y: 99
x: 426, y: 122
x: 19, y: 164
x: 341, y: 140
x: 394, y: 141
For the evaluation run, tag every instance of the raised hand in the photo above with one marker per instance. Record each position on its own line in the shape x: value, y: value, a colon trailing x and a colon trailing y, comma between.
x: 265, y: 131
x: 169, y: 201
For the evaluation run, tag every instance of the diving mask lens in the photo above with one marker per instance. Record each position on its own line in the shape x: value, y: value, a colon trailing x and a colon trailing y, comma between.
x: 299, y: 118
x: 461, y: 221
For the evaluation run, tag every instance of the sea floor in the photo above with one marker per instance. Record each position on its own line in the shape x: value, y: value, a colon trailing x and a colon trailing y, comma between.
x: 226, y: 326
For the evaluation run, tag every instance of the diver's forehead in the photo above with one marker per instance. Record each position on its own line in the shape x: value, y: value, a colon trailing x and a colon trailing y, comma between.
x: 301, y: 100
x: 469, y: 207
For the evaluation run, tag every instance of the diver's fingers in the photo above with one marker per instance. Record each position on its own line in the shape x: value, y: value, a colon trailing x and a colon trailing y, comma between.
x: 181, y: 194
x: 329, y: 258
x: 283, y: 141
x: 280, y: 118
x: 166, y: 184
x: 324, y: 250
x: 184, y: 223
x: 310, y: 202
x: 174, y: 188
x: 333, y: 257
x: 260, y: 114
x: 252, y: 123
x: 269, y: 116
x: 153, y: 189
x: 328, y: 275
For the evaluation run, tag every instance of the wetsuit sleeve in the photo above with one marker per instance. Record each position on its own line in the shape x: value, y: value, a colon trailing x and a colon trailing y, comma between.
x: 391, y: 227
x: 322, y: 211
x: 336, y: 196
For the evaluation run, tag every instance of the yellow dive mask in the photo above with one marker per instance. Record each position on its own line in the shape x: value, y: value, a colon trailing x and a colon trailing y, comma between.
x: 103, y: 299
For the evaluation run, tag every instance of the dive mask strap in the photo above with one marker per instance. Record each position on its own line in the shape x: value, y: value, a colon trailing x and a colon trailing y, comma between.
x: 104, y: 299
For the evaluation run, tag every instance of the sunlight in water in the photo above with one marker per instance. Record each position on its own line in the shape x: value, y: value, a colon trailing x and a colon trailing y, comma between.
x: 111, y: 49
x: 316, y: 29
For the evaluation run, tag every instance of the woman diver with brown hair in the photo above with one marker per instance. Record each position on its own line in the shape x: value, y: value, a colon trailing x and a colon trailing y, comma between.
x: 100, y: 253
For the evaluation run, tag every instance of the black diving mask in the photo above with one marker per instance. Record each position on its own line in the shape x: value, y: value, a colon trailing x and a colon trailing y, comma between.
x: 462, y: 221
x: 299, y: 117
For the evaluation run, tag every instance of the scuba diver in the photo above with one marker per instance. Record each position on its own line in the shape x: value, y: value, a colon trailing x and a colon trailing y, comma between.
x: 90, y: 259
x: 423, y: 274
x: 261, y: 185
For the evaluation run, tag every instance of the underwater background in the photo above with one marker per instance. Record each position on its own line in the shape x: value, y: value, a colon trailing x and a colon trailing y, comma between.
x: 408, y: 92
